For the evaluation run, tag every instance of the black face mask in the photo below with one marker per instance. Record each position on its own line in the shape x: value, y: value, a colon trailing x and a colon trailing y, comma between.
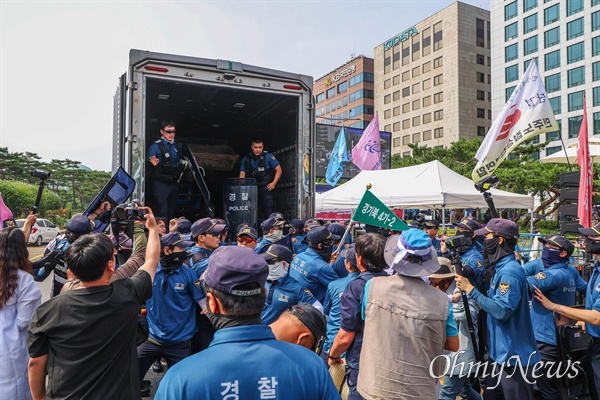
x: 325, y: 252
x: 592, y: 246
x: 495, y: 251
x: 220, y: 321
x: 173, y: 261
x: 467, y: 234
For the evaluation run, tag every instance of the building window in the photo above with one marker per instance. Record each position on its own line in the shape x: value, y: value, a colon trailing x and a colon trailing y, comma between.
x: 438, y: 115
x: 508, y: 92
x: 416, y: 121
x: 438, y: 80
x: 551, y: 14
x: 406, y: 124
x: 574, y: 6
x: 387, y: 114
x: 387, y: 99
x: 575, y: 28
x: 480, y: 59
x: 396, y: 80
x: 576, y: 76
x: 479, y: 32
x: 345, y: 100
x: 555, y: 104
x: 416, y: 137
x: 550, y: 136
x: 552, y: 37
x: 438, y: 132
x: 552, y: 83
x: 438, y: 62
x: 595, y: 71
x: 552, y: 60
x: 331, y: 93
x: 406, y: 108
x: 427, y: 118
x: 426, y: 84
x: 405, y: 154
x: 575, y: 53
x: 511, y: 73
x: 396, y: 126
x: 396, y: 95
x: 387, y: 83
x: 481, y: 131
x: 397, y: 142
x: 511, y: 31
x: 511, y: 52
x: 530, y: 23
x: 530, y: 45
x: 576, y: 101
x: 342, y: 87
x: 597, y: 123
x: 480, y: 77
x: 416, y: 71
x: 438, y: 97
x: 405, y: 76
x: 596, y: 21
x: 596, y: 46
x: 416, y: 48
x: 426, y: 101
x: 406, y: 92
x: 596, y: 92
x: 552, y: 150
x: 481, y: 113
x: 426, y: 135
x: 510, y: 11
x: 396, y: 111
x: 574, y: 125
x: 406, y: 139
x: 529, y: 4
x: 438, y: 36
x: 480, y: 95
x: 416, y: 104
x: 320, y: 97
x: 426, y: 41
x: 416, y: 88
x: 405, y: 52
x: 427, y: 67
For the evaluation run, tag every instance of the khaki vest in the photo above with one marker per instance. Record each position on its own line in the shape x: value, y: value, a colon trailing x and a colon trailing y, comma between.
x: 405, y: 329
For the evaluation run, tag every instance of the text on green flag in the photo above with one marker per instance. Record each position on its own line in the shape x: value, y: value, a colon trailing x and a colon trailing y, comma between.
x: 372, y: 211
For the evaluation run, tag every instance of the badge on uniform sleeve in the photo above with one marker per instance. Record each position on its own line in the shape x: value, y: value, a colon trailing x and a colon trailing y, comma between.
x: 284, y: 298
x: 504, y: 288
x: 479, y: 264
x: 598, y: 288
x: 198, y: 283
x: 540, y: 276
x: 308, y: 292
x: 273, y: 157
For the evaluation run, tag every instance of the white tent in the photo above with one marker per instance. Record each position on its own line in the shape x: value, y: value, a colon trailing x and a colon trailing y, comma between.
x: 430, y: 185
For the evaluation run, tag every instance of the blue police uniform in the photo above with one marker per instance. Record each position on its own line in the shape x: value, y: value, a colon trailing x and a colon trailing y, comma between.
x: 300, y: 245
x: 332, y: 307
x: 261, y: 169
x: 437, y: 245
x: 164, y: 182
x: 311, y: 271
x: 281, y: 294
x: 200, y: 265
x: 473, y: 257
x: 558, y: 285
x: 247, y: 362
x: 510, y: 332
x: 263, y: 245
x: 172, y: 307
x: 339, y: 266
x: 592, y: 302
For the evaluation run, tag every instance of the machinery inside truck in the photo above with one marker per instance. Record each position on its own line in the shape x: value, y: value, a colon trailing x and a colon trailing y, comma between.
x: 218, y: 123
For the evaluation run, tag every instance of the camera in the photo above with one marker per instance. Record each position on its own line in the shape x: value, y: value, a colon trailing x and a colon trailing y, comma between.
x: 486, y: 184
x: 40, y: 173
x: 128, y: 212
x: 457, y: 242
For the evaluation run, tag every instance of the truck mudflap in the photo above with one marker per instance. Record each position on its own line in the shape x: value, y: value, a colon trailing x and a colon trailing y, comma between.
x: 116, y: 191
x: 191, y: 163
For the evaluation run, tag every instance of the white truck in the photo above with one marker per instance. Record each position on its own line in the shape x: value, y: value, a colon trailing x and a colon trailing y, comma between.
x: 219, y: 106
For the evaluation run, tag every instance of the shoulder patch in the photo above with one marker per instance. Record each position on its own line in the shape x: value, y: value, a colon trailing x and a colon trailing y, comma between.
x: 198, y: 284
x: 540, y: 276
x: 504, y: 287
x: 479, y: 264
x: 308, y: 292
x: 273, y: 157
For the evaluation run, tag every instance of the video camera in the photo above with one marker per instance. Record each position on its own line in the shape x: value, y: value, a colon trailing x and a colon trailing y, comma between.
x: 458, y: 242
x: 43, y: 175
x: 128, y: 212
x: 40, y: 173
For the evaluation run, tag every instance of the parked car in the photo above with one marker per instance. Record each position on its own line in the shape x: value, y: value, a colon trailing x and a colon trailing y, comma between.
x: 42, y: 232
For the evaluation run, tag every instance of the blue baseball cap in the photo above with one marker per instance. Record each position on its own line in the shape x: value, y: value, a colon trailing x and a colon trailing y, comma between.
x: 269, y: 223
x: 278, y: 251
x: 501, y: 227
x: 468, y: 223
x: 175, y: 239
x: 79, y: 224
x: 319, y: 234
x: 349, y: 254
x: 559, y: 241
x: 184, y: 226
x: 207, y: 225
x: 230, y: 267
x: 277, y: 215
x: 248, y: 231
x: 336, y: 229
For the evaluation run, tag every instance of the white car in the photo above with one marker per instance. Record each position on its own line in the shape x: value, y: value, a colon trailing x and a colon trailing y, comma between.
x: 43, y: 231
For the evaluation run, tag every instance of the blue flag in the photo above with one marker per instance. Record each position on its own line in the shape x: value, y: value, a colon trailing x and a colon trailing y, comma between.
x: 335, y: 169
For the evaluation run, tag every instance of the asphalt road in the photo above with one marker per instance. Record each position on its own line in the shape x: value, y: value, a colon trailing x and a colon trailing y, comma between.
x: 35, y: 252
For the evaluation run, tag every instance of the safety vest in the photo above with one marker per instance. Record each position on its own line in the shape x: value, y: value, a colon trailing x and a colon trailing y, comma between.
x: 167, y: 170
x: 262, y: 175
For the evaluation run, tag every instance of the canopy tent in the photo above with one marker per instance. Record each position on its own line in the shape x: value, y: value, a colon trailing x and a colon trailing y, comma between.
x: 571, y: 153
x: 430, y: 185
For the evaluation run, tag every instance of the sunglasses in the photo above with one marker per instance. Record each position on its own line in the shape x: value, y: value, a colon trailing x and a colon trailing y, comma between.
x: 170, y: 132
x: 213, y: 234
x: 246, y: 240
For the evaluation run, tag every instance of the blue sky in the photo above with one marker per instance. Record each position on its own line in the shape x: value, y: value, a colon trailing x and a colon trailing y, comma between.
x: 60, y: 61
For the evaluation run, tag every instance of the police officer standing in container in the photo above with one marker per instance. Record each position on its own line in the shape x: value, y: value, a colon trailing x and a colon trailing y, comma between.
x: 164, y: 167
x: 264, y: 167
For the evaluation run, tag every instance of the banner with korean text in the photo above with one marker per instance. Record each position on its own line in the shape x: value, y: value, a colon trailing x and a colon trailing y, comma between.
x: 584, y: 200
x: 366, y: 155
x: 372, y: 211
x: 526, y: 114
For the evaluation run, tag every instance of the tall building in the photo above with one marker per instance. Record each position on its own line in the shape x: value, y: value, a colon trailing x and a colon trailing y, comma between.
x: 345, y: 95
x: 563, y: 36
x: 432, y: 80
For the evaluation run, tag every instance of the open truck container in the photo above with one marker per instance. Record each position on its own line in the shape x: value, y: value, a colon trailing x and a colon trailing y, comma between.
x: 218, y: 106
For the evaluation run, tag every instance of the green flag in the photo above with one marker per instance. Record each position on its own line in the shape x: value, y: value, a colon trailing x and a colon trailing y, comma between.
x: 372, y: 211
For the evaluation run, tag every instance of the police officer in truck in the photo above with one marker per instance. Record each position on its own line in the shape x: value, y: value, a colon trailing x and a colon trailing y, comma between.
x: 165, y: 169
x: 264, y: 167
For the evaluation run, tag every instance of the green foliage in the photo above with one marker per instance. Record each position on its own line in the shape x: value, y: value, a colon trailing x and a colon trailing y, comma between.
x: 72, y: 186
x: 547, y: 227
x: 19, y: 197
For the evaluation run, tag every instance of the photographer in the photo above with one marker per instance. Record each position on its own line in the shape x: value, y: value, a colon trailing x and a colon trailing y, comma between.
x: 589, y: 319
x: 471, y: 253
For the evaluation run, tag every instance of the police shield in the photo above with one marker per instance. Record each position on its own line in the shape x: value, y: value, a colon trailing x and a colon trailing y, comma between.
x: 240, y: 201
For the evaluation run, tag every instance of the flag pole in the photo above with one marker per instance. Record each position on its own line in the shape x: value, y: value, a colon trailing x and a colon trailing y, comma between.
x: 565, y: 150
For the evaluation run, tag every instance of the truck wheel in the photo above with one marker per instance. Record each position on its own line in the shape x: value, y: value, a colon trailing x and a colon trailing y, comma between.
x: 39, y: 240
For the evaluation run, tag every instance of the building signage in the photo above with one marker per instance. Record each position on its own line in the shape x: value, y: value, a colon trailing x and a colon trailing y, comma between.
x: 388, y: 44
x: 342, y: 74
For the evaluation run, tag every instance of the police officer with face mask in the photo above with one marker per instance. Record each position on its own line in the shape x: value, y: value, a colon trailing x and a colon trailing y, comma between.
x: 311, y: 268
x: 272, y: 233
x: 558, y: 281
x: 509, y: 328
x: 282, y: 290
